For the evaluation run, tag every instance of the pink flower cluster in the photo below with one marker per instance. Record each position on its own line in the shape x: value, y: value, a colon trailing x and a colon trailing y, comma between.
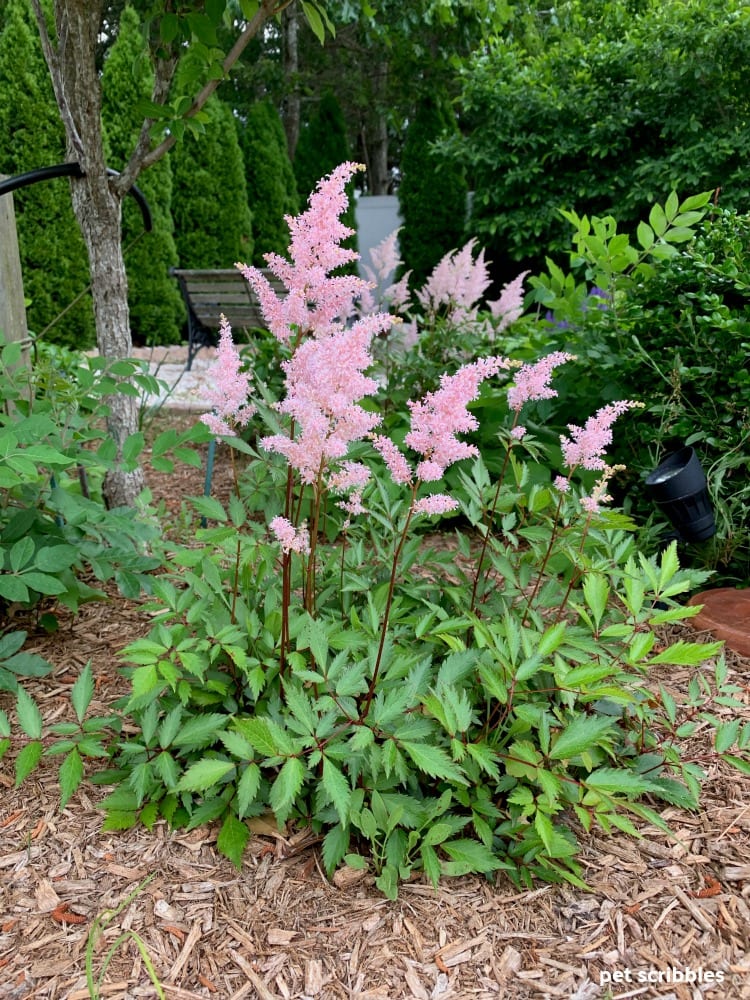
x: 440, y: 415
x: 231, y: 390
x: 457, y: 284
x: 586, y: 445
x: 324, y: 380
x: 532, y: 381
x: 315, y: 299
x: 509, y: 307
x: 290, y: 538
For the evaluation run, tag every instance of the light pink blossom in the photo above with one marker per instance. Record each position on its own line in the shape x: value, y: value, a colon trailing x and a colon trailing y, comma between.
x: 437, y: 503
x: 518, y: 432
x: 290, y: 538
x: 585, y: 446
x: 509, y: 307
x: 562, y: 484
x: 231, y: 389
x: 315, y: 299
x: 456, y: 285
x: 532, y: 381
x: 324, y: 381
x: 441, y: 415
x: 397, y: 465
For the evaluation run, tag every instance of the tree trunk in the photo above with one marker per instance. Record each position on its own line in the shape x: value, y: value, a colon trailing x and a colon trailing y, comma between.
x: 379, y: 177
x: 97, y: 208
x: 290, y: 50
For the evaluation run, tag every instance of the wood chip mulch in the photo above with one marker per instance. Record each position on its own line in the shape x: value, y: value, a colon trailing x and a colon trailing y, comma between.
x: 659, y: 908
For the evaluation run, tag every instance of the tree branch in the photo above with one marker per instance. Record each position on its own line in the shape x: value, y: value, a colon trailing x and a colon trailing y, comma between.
x: 51, y: 58
x: 267, y: 9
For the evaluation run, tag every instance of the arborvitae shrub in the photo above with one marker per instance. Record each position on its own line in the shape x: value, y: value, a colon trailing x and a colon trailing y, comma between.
x: 53, y: 256
x: 156, y: 308
x: 322, y: 146
x: 212, y: 220
x: 432, y: 194
x: 271, y: 184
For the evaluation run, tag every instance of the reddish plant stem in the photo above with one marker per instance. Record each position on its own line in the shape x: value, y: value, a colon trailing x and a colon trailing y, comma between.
x: 389, y: 601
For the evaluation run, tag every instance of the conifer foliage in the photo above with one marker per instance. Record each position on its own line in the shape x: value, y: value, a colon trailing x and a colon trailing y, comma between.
x: 271, y: 184
x: 156, y: 310
x: 212, y: 219
x: 432, y: 193
x: 53, y: 256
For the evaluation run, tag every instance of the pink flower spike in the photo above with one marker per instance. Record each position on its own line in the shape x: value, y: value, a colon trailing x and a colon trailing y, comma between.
x: 441, y: 415
x: 562, y: 484
x: 518, y: 432
x: 437, y: 503
x: 290, y: 538
x: 397, y: 464
x: 509, y: 307
x: 232, y: 388
x: 532, y: 381
x: 585, y: 446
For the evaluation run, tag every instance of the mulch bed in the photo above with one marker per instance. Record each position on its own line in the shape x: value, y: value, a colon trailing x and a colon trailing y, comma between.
x: 279, y: 929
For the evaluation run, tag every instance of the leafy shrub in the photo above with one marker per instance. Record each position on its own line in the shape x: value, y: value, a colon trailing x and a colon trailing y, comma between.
x: 445, y: 712
x: 673, y: 331
x: 54, y: 528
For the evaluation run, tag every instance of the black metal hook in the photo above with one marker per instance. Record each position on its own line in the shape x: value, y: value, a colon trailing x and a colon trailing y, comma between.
x: 72, y: 170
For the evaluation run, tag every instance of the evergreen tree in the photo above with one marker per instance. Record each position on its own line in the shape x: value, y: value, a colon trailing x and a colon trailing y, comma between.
x: 322, y: 146
x: 271, y: 184
x: 53, y: 255
x: 155, y: 303
x: 432, y: 194
x: 212, y: 219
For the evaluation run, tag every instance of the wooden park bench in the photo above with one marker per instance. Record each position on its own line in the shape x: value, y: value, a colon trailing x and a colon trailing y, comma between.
x: 209, y: 294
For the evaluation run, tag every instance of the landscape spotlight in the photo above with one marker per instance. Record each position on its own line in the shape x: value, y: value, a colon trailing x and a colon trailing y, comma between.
x: 678, y: 486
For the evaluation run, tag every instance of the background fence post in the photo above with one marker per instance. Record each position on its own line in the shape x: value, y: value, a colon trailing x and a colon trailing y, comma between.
x: 12, y: 305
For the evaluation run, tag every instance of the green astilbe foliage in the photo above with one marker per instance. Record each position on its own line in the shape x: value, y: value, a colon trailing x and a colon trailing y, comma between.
x: 432, y: 193
x: 53, y: 256
x: 271, y: 184
x: 156, y: 308
x: 212, y: 219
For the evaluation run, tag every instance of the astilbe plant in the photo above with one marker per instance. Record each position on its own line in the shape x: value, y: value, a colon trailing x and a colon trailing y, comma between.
x: 443, y: 712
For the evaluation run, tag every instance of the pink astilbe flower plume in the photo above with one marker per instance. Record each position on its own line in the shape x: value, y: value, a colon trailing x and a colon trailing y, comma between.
x: 229, y: 395
x: 324, y: 381
x: 290, y: 538
x: 436, y: 503
x: 440, y: 415
x: 509, y: 307
x: 457, y: 284
x: 532, y: 381
x: 314, y: 298
x: 586, y: 445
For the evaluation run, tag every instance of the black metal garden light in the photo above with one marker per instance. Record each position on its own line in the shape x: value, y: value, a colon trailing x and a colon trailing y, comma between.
x: 678, y: 486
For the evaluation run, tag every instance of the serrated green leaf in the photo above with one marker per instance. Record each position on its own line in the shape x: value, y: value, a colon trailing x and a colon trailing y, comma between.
x: 687, y: 654
x: 71, y: 775
x: 209, y: 507
x: 471, y: 856
x: 29, y: 716
x: 204, y: 775
x: 433, y: 761
x: 27, y: 760
x: 338, y: 788
x: 614, y: 781
x: 286, y: 787
x: 200, y: 731
x: 232, y: 839
x: 247, y: 787
x: 82, y: 692
x: 335, y: 846
x: 583, y: 733
x: 726, y: 735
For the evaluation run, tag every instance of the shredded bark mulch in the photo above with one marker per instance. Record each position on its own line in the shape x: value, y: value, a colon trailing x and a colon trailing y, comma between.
x: 660, y: 909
